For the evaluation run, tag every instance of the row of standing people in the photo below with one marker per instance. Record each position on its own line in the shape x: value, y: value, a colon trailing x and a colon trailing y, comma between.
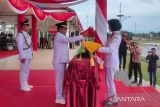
x: 4, y: 39
x: 135, y: 60
x: 46, y: 42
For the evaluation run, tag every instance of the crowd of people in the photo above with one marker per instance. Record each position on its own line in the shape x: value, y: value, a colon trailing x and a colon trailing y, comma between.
x: 46, y: 42
x: 4, y: 39
x: 135, y: 60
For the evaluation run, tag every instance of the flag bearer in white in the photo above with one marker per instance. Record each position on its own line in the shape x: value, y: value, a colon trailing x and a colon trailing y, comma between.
x: 112, y: 60
x: 25, y: 55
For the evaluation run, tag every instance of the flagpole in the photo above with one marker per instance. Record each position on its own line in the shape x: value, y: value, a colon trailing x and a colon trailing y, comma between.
x: 87, y: 27
x: 101, y: 29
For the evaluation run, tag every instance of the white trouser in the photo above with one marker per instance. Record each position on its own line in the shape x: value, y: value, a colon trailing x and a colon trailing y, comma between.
x: 59, y: 75
x: 24, y: 72
x: 109, y: 77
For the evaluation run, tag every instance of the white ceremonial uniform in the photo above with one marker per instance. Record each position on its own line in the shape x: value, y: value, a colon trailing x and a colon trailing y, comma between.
x: 24, y: 52
x: 61, y: 58
x: 111, y: 62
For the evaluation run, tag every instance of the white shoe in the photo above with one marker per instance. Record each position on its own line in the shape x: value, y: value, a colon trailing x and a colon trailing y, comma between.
x: 25, y: 89
x: 60, y: 101
x: 30, y: 86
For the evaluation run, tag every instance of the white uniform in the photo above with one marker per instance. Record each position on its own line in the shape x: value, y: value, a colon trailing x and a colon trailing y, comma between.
x: 24, y: 52
x: 61, y: 58
x: 111, y: 62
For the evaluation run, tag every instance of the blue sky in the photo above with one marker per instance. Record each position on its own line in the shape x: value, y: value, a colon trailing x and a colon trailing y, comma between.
x: 144, y: 13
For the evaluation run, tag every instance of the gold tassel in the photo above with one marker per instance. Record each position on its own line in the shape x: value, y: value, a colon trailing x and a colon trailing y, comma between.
x: 80, y: 57
x: 101, y: 65
x: 91, y: 60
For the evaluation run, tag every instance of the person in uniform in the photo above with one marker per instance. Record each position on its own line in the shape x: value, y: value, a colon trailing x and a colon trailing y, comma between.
x: 112, y: 60
x: 61, y: 57
x: 25, y: 55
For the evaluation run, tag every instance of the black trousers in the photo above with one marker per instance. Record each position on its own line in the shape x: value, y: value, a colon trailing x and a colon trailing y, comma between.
x: 131, y: 66
x: 122, y: 54
x: 4, y: 45
x: 137, y: 69
x: 41, y: 45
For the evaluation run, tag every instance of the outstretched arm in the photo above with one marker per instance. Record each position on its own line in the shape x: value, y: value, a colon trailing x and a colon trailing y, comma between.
x: 70, y: 39
x: 111, y: 47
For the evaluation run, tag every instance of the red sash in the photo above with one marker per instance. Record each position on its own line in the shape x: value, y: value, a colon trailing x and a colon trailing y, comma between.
x: 110, y: 38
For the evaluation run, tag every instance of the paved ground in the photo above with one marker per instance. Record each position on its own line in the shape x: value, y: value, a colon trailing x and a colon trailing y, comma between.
x: 42, y: 60
x: 123, y: 75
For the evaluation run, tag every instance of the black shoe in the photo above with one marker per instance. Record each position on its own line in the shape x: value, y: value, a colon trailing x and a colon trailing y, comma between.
x: 154, y: 86
x: 134, y: 82
x: 129, y: 78
x: 140, y: 83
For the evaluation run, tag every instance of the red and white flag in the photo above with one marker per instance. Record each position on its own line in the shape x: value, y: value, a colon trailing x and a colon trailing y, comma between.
x: 90, y: 32
x: 101, y: 25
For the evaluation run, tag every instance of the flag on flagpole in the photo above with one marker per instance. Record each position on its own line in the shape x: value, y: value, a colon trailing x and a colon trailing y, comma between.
x: 101, y: 25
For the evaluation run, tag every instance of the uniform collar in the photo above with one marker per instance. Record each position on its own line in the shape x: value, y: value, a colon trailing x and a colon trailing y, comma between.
x: 116, y: 32
x: 24, y: 32
x: 60, y: 33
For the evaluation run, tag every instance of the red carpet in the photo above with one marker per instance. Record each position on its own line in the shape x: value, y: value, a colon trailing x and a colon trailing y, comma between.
x: 43, y: 95
x: 4, y: 54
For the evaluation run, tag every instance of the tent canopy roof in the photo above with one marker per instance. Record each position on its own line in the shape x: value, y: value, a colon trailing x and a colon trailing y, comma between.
x: 53, y: 1
x: 9, y: 17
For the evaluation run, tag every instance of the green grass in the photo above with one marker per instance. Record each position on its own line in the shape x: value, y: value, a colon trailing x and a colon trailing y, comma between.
x: 142, y: 42
x: 144, y: 66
